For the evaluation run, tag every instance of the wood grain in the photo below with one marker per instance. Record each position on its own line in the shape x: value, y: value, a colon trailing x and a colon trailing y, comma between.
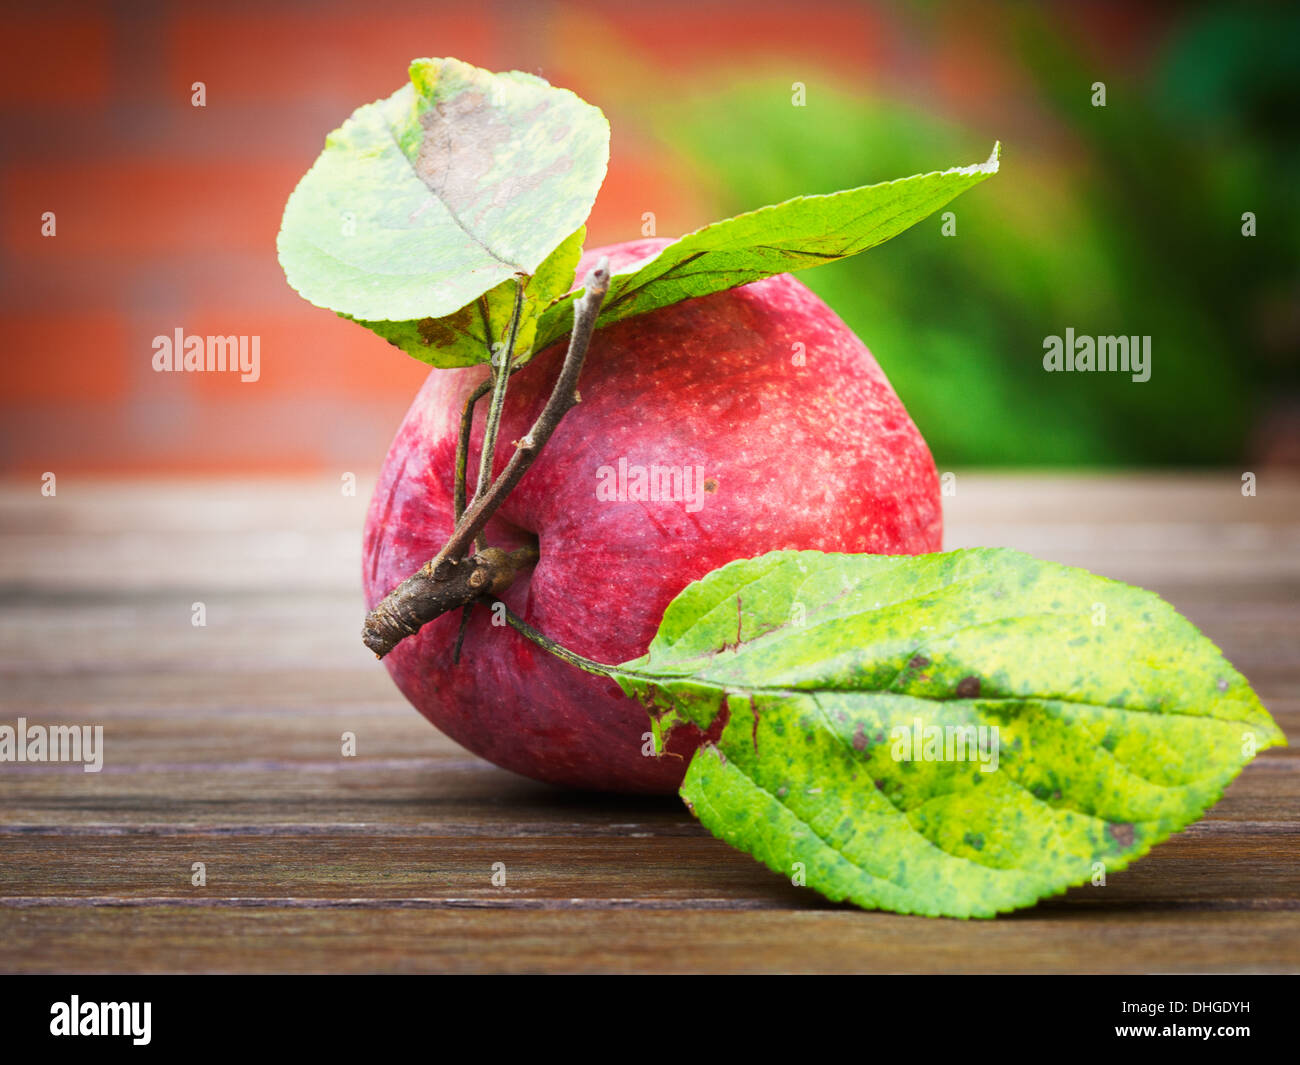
x: 223, y: 746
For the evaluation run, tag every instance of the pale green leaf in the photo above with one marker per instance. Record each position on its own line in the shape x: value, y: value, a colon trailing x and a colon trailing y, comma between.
x: 457, y: 183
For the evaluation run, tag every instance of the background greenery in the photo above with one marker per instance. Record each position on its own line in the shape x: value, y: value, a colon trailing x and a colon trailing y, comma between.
x: 1123, y: 219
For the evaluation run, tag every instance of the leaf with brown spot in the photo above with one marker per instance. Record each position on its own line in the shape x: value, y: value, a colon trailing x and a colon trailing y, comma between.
x: 452, y: 188
x: 1102, y: 749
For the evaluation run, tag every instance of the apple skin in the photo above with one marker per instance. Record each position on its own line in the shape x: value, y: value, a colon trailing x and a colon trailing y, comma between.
x: 819, y: 455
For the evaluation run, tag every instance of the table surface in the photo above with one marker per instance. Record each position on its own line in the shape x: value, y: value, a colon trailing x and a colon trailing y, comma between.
x: 222, y: 746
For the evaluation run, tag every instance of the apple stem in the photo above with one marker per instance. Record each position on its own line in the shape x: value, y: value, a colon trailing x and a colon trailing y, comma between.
x: 446, y: 581
x: 422, y: 597
x: 500, y: 363
x: 467, y: 428
x: 462, y: 444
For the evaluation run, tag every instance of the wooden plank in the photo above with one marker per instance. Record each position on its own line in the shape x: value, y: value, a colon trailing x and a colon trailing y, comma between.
x: 1195, y: 869
x: 442, y: 793
x: 367, y: 938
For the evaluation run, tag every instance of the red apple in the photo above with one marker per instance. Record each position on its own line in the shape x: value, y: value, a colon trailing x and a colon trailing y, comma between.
x: 760, y: 395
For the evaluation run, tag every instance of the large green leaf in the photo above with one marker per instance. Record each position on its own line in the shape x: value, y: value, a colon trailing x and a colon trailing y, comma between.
x: 1117, y: 722
x: 805, y: 231
x: 457, y: 183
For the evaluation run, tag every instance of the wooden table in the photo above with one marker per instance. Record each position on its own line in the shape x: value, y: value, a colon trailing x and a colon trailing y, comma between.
x: 222, y: 746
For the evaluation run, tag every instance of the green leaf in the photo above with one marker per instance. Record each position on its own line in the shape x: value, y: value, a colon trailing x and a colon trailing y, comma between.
x: 475, y: 331
x: 1117, y: 722
x: 788, y: 236
x: 457, y: 183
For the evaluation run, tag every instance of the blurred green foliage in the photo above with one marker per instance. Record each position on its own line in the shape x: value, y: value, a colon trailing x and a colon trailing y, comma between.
x: 1124, y: 219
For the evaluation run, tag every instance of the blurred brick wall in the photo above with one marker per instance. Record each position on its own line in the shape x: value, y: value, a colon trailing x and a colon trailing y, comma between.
x: 167, y: 213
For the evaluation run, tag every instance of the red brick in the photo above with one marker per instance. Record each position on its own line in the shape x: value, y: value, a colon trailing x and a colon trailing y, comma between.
x: 54, y: 59
x: 146, y: 207
x: 604, y: 46
x: 359, y: 57
x: 306, y: 353
x: 67, y: 358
